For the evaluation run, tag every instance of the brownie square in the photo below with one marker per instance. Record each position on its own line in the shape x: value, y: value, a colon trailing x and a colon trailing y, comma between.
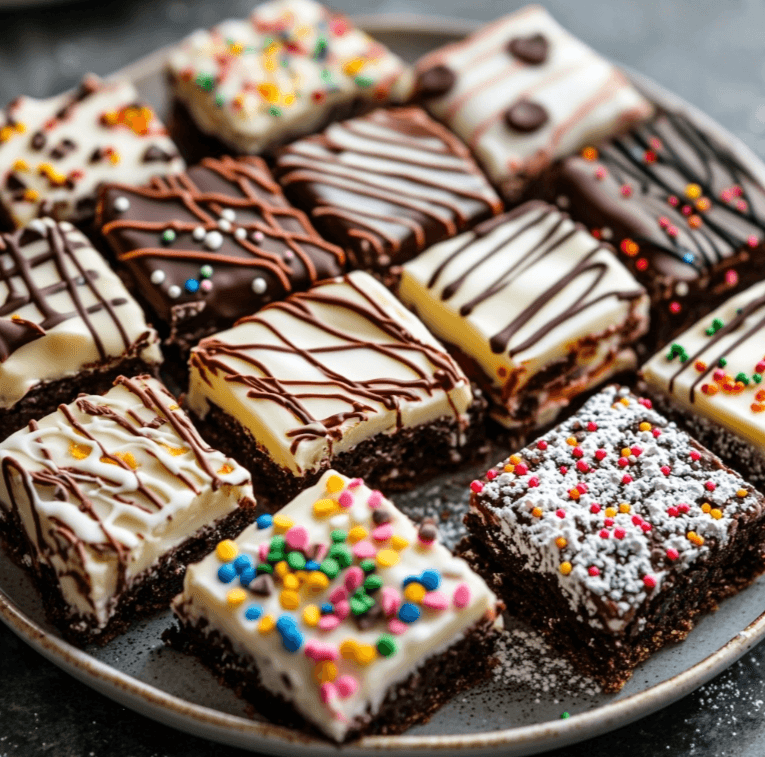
x: 711, y: 379
x: 614, y: 532
x: 535, y: 310
x: 212, y: 245
x: 67, y: 323
x: 54, y: 153
x: 340, y: 376
x: 107, y: 499
x: 287, y: 71
x: 522, y: 92
x: 686, y: 215
x: 339, y: 614
x: 387, y: 185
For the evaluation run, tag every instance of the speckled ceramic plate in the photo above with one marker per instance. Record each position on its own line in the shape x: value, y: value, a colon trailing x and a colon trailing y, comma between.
x: 519, y: 712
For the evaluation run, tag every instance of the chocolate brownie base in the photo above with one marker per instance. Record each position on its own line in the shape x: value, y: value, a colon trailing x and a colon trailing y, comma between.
x: 44, y: 398
x: 667, y: 617
x: 150, y: 592
x: 391, y: 462
x: 463, y: 665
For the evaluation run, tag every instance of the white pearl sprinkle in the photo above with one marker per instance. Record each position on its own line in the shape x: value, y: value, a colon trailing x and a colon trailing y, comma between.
x: 198, y: 234
x: 240, y: 233
x: 224, y: 225
x: 213, y: 240
x: 121, y: 204
x: 228, y: 214
x: 681, y: 289
x: 174, y: 291
x: 157, y: 277
x: 606, y: 232
x: 259, y: 285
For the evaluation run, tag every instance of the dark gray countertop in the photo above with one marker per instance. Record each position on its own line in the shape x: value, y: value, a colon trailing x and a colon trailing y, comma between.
x: 711, y: 53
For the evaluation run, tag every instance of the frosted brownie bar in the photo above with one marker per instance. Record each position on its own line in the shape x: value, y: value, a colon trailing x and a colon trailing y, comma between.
x: 67, y: 323
x: 711, y: 378
x: 106, y: 501
x: 54, y: 153
x: 386, y: 185
x: 534, y: 309
x: 339, y: 613
x: 522, y: 92
x: 288, y: 70
x: 614, y: 532
x: 342, y: 376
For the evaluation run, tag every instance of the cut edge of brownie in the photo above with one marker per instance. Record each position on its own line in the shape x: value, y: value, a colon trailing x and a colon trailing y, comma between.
x: 436, y: 680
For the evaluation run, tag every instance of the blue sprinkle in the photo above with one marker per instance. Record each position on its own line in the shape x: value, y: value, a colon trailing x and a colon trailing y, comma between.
x: 192, y: 285
x: 430, y: 579
x: 312, y: 565
x: 410, y: 580
x: 292, y: 641
x: 227, y: 573
x: 408, y: 612
x: 286, y: 624
x: 327, y: 608
x: 253, y: 612
x: 264, y: 521
x: 688, y: 258
x: 242, y: 562
x: 247, y: 575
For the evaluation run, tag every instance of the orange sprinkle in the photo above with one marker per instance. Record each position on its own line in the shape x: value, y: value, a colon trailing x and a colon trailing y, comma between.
x: 571, y: 441
x: 515, y: 459
x: 537, y: 512
x: 624, y: 508
x: 706, y: 507
x: 742, y: 493
x: 590, y: 153
x: 561, y: 542
x: 645, y: 426
x: 716, y: 514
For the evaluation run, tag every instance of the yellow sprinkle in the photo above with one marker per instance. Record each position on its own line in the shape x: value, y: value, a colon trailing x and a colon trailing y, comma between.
x: 21, y: 165
x: 537, y: 512
x: 6, y: 133
x: 716, y: 514
x: 281, y: 569
x: 357, y: 533
x: 325, y: 672
x: 236, y: 48
x: 225, y: 469
x: 706, y: 507
x: 267, y: 624
x: 366, y: 654
x: 335, y: 484
x: 624, y: 508
x: 21, y: 128
x: 348, y: 649
x: 269, y: 92
x: 288, y: 99
x: 235, y: 597
x: 291, y: 582
x: 399, y: 542
x: 174, y: 407
x: 289, y: 600
x: 79, y: 451
x: 174, y: 451
x: 565, y: 568
x: 301, y: 576
x: 561, y: 542
x: 625, y: 401
x: 226, y: 550
x: 645, y: 426
x: 571, y: 441
x: 269, y: 63
x: 311, y: 615
x: 414, y: 592
x: 353, y: 66
x: 31, y: 195
x: 515, y: 459
x: 317, y: 581
x: 126, y: 457
x: 610, y: 512
x: 626, y: 452
x: 362, y: 654
x: 694, y: 538
x: 324, y: 507
x: 693, y: 191
x: 387, y: 558
x: 114, y: 158
x: 509, y: 468
x: 282, y: 524
x: 742, y: 493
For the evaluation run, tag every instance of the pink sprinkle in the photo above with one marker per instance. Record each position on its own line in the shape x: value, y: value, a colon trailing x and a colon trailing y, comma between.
x: 297, y: 537
x: 646, y: 527
x: 627, y: 479
x: 383, y: 532
x: 673, y: 201
x: 726, y: 195
x: 582, y: 467
x: 521, y: 469
x: 718, y: 375
x: 603, y: 533
x: 645, y: 402
x: 533, y: 482
x: 563, y: 470
x: 206, y: 285
x: 345, y: 499
x: 592, y: 426
x: 346, y: 685
x: 328, y: 622
x: 683, y: 508
x: 752, y: 240
x: 737, y: 190
x: 623, y: 462
x: 672, y: 554
x: 710, y: 486
x: 375, y: 499
x: 364, y: 549
x: 608, y: 522
x: 319, y: 651
x: 686, y: 210
x: 626, y: 190
x: 619, y: 533
x: 665, y: 469
x: 542, y: 444
x: 672, y: 231
x: 355, y: 483
x: 320, y: 551
x: 263, y: 551
x: 339, y: 594
x: 649, y: 582
x: 695, y: 455
x: 327, y: 692
x: 342, y: 609
x: 600, y: 173
x: 672, y: 511
x: 760, y: 367
x: 338, y: 26
x: 582, y: 487
x: 461, y: 596
x: 354, y: 577
x: 742, y: 206
x: 731, y: 278
x: 595, y: 508
x: 390, y: 600
x: 656, y: 433
x: 560, y: 513
x: 577, y: 452
x: 663, y: 222
x: 491, y: 474
x: 593, y: 570
x: 435, y: 600
x: 600, y: 454
x: 397, y: 627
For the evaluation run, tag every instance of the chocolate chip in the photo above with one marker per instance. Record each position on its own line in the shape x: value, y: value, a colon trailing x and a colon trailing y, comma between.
x: 428, y: 531
x: 435, y: 81
x: 96, y: 155
x: 155, y: 154
x: 62, y: 149
x: 263, y: 585
x: 14, y: 183
x: 380, y: 516
x: 525, y: 116
x: 532, y: 50
x: 38, y: 140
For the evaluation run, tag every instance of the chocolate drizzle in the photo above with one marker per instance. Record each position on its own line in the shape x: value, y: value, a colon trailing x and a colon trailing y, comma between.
x: 307, y: 311
x: 386, y: 185
x: 17, y: 267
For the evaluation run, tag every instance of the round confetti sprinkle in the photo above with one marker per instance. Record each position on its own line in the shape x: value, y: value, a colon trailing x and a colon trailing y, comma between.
x: 168, y: 236
x: 226, y: 550
x: 174, y: 292
x: 198, y: 234
x: 213, y: 240
x: 121, y: 204
x: 259, y: 285
x: 253, y: 612
x: 157, y: 277
x: 408, y: 612
x: 191, y: 286
x: 226, y: 573
x: 205, y: 271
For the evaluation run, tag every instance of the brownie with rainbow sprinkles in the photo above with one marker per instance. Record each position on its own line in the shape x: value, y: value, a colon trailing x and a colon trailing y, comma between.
x: 613, y: 533
x: 343, y: 610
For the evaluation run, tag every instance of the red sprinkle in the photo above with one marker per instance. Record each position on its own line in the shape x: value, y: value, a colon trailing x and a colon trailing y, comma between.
x: 656, y: 433
x: 560, y: 513
x: 619, y: 533
x: 582, y: 487
x: 665, y: 469
x: 577, y: 452
x: 683, y: 508
x: 521, y: 469
x: 646, y: 527
x: 672, y: 554
x: 623, y: 462
x: 600, y: 454
x: 645, y: 402
x: 533, y: 482
x: 649, y: 582
x: 637, y: 520
x: 608, y: 522
x: 695, y: 455
x: 672, y: 511
x: 710, y: 486
x: 593, y: 570
x: 603, y: 533
x: 592, y: 426
x: 595, y: 508
x: 563, y: 470
x: 542, y: 444
x: 476, y: 486
x: 637, y: 451
x: 582, y: 467
x: 491, y: 475
x: 627, y: 479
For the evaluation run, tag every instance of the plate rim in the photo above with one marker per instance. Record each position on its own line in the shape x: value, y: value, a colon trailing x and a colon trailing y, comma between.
x: 249, y: 734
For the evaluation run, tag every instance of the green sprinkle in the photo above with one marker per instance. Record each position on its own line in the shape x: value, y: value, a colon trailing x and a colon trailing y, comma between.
x: 342, y: 554
x: 363, y: 81
x: 320, y: 49
x: 358, y: 606
x: 168, y: 236
x: 296, y: 560
x: 565, y: 715
x: 717, y: 324
x: 722, y: 362
x: 326, y: 74
x: 330, y: 567
x: 264, y: 567
x: 338, y: 536
x: 275, y: 555
x: 373, y: 583
x: 274, y: 111
x: 206, y: 271
x: 220, y: 100
x: 277, y: 544
x: 756, y: 377
x: 743, y: 378
x: 709, y: 332
x: 386, y: 645
x: 205, y: 82
x: 368, y: 566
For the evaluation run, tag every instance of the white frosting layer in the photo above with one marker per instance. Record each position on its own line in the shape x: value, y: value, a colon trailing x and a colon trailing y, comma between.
x: 56, y: 152
x: 701, y: 385
x: 109, y: 484
x: 325, y: 370
x: 281, y: 73
x: 585, y: 97
x: 557, y: 293
x: 68, y: 278
x: 206, y: 596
